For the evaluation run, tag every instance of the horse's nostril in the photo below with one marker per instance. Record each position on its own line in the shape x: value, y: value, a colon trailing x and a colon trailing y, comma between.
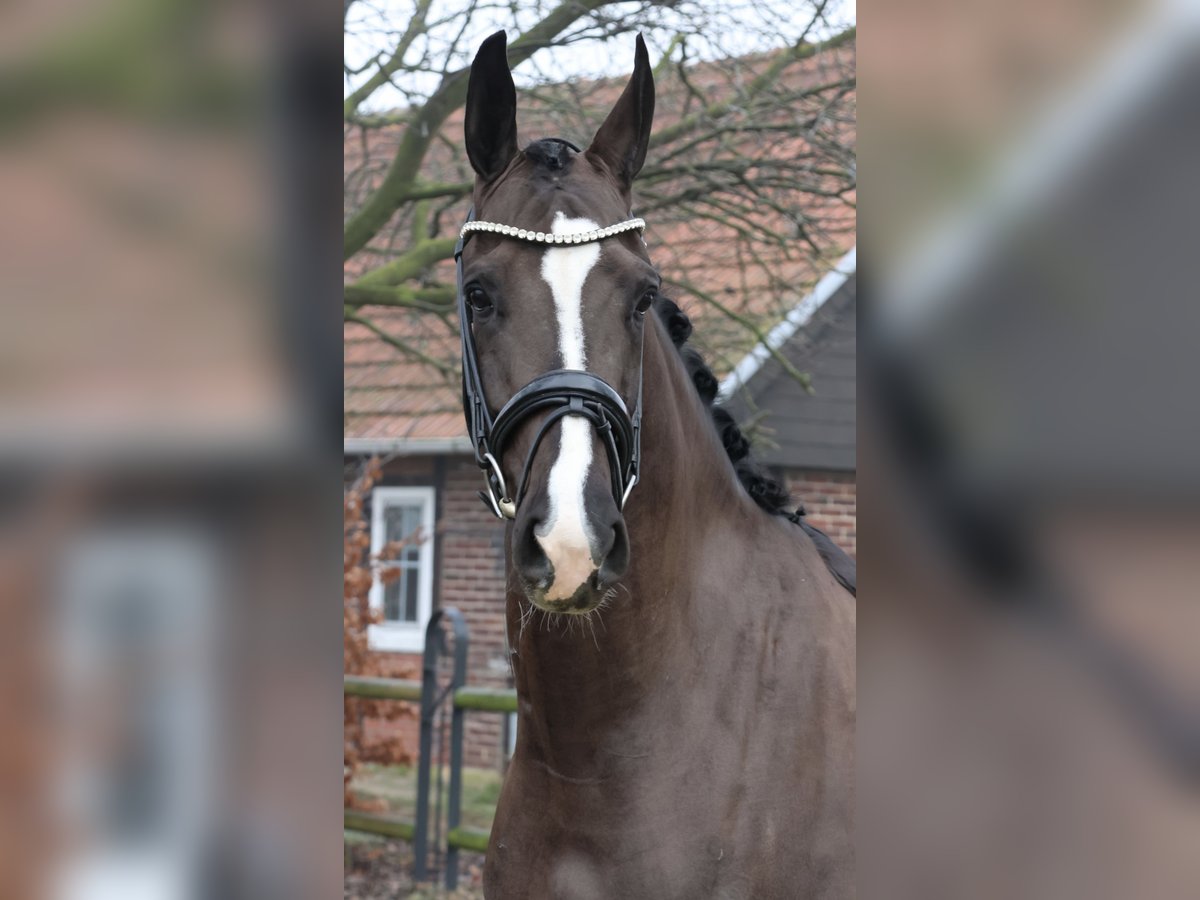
x: 528, y: 556
x: 537, y: 570
x: 616, y: 556
x: 606, y: 544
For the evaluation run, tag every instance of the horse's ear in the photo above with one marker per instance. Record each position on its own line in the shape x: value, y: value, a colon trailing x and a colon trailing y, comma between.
x: 622, y: 140
x: 491, y: 119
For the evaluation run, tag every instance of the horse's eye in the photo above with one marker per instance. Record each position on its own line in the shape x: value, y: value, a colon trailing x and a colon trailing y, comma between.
x: 479, y: 300
x: 644, y: 302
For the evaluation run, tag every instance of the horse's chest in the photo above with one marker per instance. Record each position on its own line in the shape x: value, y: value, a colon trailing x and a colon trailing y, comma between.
x: 674, y: 867
x: 658, y: 837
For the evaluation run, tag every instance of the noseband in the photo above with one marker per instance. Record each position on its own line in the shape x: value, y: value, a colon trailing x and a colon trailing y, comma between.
x: 560, y: 393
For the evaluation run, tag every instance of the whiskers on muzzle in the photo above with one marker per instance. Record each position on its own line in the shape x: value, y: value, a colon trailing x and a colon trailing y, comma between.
x: 565, y: 625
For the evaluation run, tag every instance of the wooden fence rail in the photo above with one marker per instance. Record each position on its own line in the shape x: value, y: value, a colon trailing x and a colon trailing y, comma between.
x: 481, y: 699
x: 427, y: 694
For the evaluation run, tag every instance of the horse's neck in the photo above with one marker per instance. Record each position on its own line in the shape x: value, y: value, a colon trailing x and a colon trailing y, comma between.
x: 688, y: 486
x: 587, y: 675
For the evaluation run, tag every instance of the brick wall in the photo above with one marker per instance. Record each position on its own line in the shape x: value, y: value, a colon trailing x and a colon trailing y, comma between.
x: 471, y: 562
x: 469, y: 575
x: 831, y: 499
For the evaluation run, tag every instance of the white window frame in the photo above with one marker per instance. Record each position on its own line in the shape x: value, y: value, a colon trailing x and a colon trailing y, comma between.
x: 405, y: 637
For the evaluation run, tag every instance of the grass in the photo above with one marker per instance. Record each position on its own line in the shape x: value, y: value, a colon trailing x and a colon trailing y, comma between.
x: 396, y: 786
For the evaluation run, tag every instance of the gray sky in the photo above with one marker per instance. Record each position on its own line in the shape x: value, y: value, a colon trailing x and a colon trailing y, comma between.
x: 728, y: 28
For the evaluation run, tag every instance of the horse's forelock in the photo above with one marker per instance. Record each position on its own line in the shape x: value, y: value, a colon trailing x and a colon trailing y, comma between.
x: 549, y: 153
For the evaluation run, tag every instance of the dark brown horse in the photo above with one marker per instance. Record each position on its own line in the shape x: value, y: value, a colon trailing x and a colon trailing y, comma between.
x: 684, y: 659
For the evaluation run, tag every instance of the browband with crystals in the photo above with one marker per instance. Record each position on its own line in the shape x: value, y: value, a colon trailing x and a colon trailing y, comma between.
x: 542, y: 237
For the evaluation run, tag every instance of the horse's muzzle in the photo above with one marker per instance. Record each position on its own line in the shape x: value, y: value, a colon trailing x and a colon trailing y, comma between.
x: 565, y: 573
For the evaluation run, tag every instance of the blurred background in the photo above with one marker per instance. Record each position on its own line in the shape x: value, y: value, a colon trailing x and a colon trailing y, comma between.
x: 170, y: 358
x: 167, y: 643
x: 1031, y: 451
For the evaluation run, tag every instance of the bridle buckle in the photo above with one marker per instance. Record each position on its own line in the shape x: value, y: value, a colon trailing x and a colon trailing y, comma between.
x: 504, y: 507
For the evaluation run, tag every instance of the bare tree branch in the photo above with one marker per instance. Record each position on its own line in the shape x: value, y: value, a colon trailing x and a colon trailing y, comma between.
x: 798, y: 51
x: 351, y: 315
x: 416, y: 25
x: 452, y: 93
x: 749, y: 325
x: 433, y: 299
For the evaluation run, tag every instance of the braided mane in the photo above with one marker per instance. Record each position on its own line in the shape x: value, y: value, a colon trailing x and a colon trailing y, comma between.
x: 766, y: 491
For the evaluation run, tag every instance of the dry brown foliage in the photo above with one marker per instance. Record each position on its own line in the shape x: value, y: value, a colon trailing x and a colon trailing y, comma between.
x: 360, y: 568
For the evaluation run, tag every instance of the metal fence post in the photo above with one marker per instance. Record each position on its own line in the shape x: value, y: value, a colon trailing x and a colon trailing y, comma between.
x: 431, y: 698
x: 454, y: 802
x: 433, y: 637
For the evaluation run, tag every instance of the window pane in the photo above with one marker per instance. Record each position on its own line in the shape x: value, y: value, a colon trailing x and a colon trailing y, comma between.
x: 391, y: 600
x: 410, y: 594
x: 402, y: 521
x: 412, y: 519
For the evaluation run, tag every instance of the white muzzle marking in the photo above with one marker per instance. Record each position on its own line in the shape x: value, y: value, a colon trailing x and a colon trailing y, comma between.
x: 565, y: 537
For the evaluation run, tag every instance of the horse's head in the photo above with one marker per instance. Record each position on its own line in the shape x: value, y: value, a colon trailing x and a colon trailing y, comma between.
x: 536, y: 306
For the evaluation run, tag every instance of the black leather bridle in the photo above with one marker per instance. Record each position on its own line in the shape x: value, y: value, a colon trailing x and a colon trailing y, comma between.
x: 560, y: 393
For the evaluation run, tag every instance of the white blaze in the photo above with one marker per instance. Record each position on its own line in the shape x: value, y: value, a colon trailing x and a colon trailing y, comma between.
x: 564, y: 536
